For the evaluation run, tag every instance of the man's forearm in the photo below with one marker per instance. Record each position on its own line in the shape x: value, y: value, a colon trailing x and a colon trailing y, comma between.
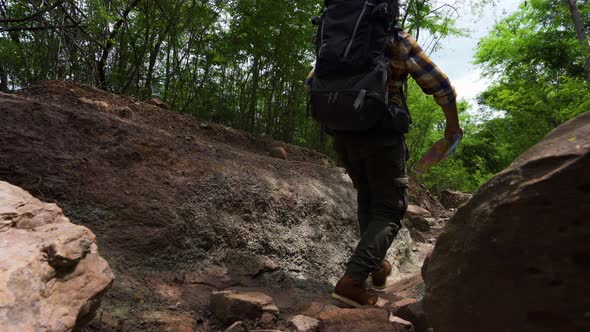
x: 452, y: 117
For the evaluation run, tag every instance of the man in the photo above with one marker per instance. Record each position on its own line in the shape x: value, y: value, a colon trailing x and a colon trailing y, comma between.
x: 376, y: 163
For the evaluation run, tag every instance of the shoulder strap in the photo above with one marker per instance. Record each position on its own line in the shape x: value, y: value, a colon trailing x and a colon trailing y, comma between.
x: 404, y: 99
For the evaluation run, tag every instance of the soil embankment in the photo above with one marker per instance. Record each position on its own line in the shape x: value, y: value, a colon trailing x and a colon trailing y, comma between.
x: 181, y: 207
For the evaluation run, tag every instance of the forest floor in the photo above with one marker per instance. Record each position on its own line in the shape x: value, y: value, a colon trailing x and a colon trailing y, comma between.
x: 183, y: 207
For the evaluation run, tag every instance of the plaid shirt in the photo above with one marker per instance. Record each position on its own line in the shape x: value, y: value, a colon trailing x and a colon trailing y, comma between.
x: 409, y: 59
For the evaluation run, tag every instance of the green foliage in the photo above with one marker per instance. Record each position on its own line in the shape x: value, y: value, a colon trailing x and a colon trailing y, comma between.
x: 536, y: 63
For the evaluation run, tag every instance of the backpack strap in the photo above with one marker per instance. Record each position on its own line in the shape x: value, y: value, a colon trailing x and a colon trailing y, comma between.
x: 405, y: 99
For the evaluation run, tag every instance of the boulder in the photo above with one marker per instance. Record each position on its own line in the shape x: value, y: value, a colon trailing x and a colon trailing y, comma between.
x: 453, y: 199
x: 51, y: 275
x: 355, y: 320
x: 515, y: 257
x: 303, y: 323
x: 230, y: 306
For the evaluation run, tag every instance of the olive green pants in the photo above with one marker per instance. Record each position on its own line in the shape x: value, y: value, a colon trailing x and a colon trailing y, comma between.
x: 379, y: 175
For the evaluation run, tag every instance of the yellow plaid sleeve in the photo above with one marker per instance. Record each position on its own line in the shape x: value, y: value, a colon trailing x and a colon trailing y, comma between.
x: 428, y: 76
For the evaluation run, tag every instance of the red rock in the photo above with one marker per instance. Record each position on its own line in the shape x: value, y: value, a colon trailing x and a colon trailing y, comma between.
x: 54, y: 278
x: 230, y: 306
x: 515, y: 257
x: 357, y: 320
x: 303, y: 323
x: 416, y: 211
x: 412, y: 287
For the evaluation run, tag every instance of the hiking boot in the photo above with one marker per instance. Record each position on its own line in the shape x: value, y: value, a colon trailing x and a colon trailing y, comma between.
x: 379, y: 276
x: 353, y: 293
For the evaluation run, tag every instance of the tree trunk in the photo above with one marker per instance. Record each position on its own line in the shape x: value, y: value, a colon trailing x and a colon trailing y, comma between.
x: 3, y: 80
x: 581, y: 33
x: 254, y: 94
x: 101, y: 66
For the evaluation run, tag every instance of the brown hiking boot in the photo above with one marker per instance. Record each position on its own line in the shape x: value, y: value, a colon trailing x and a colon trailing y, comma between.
x: 353, y: 293
x: 379, y: 277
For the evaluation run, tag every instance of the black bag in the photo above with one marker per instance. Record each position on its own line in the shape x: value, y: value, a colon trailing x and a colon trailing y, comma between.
x: 349, y: 90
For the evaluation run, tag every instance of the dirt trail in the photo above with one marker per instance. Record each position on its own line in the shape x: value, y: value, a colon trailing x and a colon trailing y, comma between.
x: 182, y: 207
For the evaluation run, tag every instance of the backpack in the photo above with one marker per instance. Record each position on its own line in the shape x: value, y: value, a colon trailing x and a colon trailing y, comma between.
x: 349, y: 89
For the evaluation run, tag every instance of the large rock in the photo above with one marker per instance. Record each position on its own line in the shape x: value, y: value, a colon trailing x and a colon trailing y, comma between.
x: 515, y: 257
x: 51, y: 275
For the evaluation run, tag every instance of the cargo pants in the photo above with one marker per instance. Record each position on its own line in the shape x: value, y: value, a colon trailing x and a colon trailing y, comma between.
x: 378, y: 172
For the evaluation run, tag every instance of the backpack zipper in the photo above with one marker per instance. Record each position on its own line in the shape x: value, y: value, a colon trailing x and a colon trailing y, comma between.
x: 356, y: 26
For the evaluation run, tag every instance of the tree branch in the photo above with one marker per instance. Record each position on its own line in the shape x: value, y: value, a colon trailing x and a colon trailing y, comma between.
x: 40, y: 28
x: 33, y: 16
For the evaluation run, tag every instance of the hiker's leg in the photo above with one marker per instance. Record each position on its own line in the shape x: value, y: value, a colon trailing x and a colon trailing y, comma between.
x: 355, y: 166
x: 387, y: 179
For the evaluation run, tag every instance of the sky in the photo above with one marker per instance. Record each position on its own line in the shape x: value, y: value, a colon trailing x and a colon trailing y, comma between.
x: 456, y: 56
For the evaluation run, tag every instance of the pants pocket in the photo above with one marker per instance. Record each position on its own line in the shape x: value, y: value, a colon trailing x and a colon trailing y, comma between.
x: 402, y: 184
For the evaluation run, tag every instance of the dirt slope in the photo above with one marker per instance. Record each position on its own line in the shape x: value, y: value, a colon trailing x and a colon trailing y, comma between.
x: 180, y: 207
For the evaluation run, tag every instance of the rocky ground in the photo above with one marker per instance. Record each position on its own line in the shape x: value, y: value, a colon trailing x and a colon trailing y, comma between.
x: 183, y: 209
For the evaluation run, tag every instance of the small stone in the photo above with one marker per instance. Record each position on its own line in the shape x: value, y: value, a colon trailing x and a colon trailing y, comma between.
x: 453, y: 199
x: 159, y: 103
x: 303, y: 323
x: 431, y: 221
x: 169, y: 322
x: 400, y: 324
x: 416, y: 223
x: 230, y: 306
x: 396, y: 306
x: 268, y: 317
x: 278, y: 152
x: 124, y: 113
x: 238, y: 326
x: 417, y: 211
x: 414, y: 312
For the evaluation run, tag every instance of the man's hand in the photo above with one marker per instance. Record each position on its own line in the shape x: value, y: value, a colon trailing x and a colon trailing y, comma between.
x: 451, y: 114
